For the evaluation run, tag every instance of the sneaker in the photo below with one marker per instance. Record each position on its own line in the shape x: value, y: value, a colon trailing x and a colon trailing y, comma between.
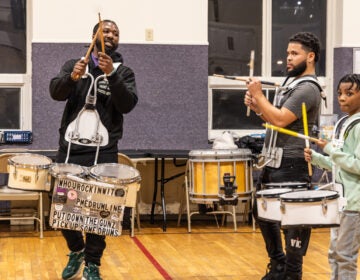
x: 73, y: 266
x: 91, y: 272
x: 275, y: 271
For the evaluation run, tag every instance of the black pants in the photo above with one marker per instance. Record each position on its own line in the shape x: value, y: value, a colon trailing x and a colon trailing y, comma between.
x: 93, y: 244
x: 296, y: 239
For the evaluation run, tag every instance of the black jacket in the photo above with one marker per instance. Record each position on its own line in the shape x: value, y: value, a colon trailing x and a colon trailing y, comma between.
x: 114, y: 99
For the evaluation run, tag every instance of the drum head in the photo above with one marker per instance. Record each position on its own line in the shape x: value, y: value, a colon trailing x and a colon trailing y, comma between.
x: 291, y: 185
x: 220, y: 154
x: 270, y: 193
x: 309, y: 196
x: 66, y: 168
x: 115, y: 173
x: 30, y: 161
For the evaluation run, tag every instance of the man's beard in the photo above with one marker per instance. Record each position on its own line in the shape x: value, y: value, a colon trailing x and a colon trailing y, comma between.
x: 108, y: 50
x: 298, y: 69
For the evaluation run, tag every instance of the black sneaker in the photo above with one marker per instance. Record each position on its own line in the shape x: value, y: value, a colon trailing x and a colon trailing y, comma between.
x: 91, y: 272
x: 73, y: 266
x: 275, y: 271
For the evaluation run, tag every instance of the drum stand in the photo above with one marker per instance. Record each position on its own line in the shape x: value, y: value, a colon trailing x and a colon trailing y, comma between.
x: 245, y: 196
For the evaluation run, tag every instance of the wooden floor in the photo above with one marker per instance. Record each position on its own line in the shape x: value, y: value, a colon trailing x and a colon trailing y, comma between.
x: 207, y: 252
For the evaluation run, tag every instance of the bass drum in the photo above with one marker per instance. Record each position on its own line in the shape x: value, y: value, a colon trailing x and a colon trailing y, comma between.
x: 208, y: 167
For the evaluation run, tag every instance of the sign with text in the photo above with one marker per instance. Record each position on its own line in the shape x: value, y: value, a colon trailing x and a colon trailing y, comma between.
x: 89, y: 206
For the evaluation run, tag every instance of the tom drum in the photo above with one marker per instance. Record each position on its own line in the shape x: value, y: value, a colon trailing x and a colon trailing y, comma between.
x: 29, y: 172
x: 119, y: 175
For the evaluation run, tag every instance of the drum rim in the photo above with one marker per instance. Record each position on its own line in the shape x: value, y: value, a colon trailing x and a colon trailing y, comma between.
x: 113, y: 180
x: 334, y: 195
x: 31, y: 166
x: 272, y: 195
x: 56, y: 174
x: 283, y: 183
x: 219, y: 153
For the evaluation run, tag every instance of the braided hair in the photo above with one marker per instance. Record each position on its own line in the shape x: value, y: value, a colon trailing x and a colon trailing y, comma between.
x: 308, y: 41
x: 354, y: 79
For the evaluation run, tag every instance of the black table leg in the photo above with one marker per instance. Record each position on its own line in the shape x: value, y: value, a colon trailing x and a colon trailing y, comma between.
x: 162, y: 184
x: 155, y: 191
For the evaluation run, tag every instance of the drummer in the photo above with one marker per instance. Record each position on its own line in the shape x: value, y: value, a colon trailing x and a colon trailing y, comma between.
x: 116, y: 96
x: 289, y: 165
x: 345, y: 240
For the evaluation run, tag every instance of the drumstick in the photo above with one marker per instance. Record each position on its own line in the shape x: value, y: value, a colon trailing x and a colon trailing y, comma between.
x: 290, y: 132
x: 245, y: 80
x: 101, y: 35
x: 77, y: 76
x: 306, y: 132
x: 251, y: 74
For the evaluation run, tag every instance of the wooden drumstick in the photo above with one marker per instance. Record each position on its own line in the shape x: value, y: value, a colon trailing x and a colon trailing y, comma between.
x: 251, y: 74
x: 101, y: 34
x: 306, y: 132
x: 77, y: 76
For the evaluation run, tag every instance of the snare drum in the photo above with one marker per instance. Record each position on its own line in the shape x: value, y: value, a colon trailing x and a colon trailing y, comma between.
x: 207, y: 168
x: 29, y: 172
x: 296, y: 186
x: 118, y: 174
x: 313, y: 208
x: 268, y: 204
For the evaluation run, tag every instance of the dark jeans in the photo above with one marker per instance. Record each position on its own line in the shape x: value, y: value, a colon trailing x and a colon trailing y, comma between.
x: 296, y: 239
x: 93, y: 244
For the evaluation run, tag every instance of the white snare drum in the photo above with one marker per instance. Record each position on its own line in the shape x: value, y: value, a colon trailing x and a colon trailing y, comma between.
x: 207, y: 168
x: 313, y: 208
x: 268, y: 204
x: 118, y: 174
x: 296, y: 186
x: 29, y: 172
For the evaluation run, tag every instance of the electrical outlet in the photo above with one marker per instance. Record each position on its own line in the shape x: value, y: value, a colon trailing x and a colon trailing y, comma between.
x: 149, y: 34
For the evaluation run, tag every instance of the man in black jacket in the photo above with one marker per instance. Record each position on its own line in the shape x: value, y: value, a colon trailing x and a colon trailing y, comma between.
x: 115, y: 96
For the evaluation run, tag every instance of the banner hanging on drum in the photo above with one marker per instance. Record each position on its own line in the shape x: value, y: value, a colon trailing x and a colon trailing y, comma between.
x: 89, y: 206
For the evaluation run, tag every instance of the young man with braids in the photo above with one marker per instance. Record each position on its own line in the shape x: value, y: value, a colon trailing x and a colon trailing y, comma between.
x: 342, y: 155
x: 289, y: 165
x: 116, y: 95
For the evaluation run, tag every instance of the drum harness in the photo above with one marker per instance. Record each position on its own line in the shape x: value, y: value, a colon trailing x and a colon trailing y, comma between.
x: 88, y: 121
x: 271, y: 155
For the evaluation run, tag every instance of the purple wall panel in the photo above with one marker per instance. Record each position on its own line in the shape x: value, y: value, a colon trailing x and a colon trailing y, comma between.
x: 172, y: 89
x: 343, y: 64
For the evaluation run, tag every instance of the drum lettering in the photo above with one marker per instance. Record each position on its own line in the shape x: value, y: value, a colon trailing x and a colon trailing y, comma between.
x: 60, y: 224
x: 89, y: 229
x: 59, y: 215
x: 92, y: 204
x: 106, y: 223
x: 108, y: 231
x: 116, y: 208
x: 74, y: 218
x: 91, y: 221
x: 77, y: 186
x: 106, y: 191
